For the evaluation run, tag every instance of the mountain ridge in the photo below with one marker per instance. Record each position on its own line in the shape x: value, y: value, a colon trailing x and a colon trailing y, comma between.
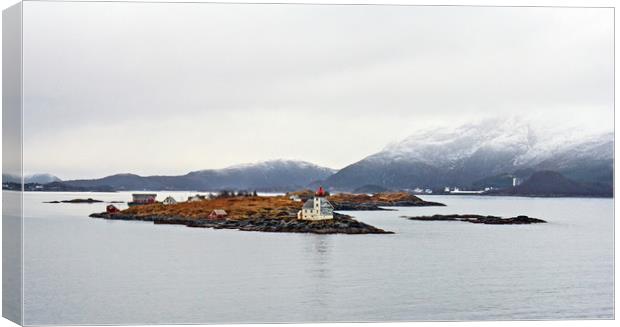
x: 271, y: 175
x: 477, y: 155
x: 469, y: 153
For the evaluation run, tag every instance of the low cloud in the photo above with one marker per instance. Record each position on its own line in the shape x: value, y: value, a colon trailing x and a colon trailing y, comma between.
x: 167, y: 88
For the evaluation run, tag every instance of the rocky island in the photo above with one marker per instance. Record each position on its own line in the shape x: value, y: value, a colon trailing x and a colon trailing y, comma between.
x: 480, y: 219
x: 246, y: 213
x: 355, y: 202
x: 89, y: 200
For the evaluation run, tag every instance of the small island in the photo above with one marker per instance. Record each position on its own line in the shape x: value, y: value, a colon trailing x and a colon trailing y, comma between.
x: 377, y: 201
x: 89, y: 200
x: 480, y: 219
x: 283, y: 214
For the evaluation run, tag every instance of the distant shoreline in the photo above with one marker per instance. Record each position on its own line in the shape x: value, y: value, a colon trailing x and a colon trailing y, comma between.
x: 341, y: 224
x: 424, y: 195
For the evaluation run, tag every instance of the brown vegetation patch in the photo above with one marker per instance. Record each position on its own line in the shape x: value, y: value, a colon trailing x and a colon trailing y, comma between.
x: 386, y: 197
x: 237, y: 208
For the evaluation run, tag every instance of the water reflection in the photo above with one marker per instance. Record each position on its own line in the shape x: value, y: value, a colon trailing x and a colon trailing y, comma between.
x: 318, y: 250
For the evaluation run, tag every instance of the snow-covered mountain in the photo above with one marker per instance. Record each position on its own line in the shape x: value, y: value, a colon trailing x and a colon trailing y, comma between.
x: 274, y: 175
x: 487, y: 153
x: 460, y: 156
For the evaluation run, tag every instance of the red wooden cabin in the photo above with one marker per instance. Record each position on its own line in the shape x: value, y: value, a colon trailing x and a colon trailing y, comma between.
x: 218, y: 214
x: 111, y: 209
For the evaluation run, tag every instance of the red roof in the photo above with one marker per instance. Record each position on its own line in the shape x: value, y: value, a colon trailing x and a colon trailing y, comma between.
x: 320, y: 191
x: 111, y: 209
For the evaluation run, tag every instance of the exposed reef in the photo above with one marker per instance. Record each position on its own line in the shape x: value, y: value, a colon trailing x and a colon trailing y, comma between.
x: 341, y: 224
x: 89, y: 200
x: 480, y: 219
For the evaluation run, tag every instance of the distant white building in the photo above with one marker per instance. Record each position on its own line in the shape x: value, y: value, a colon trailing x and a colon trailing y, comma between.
x: 295, y: 198
x: 169, y: 200
x: 516, y: 181
x: 317, y: 208
x: 196, y: 197
x: 458, y: 191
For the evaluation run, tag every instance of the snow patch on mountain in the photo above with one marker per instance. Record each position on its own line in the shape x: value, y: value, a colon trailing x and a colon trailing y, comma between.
x: 275, y: 164
x: 528, y: 143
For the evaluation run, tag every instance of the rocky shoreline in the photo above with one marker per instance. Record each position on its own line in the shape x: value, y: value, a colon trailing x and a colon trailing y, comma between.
x: 479, y: 219
x: 372, y: 206
x: 348, y: 206
x: 361, y: 202
x: 341, y: 224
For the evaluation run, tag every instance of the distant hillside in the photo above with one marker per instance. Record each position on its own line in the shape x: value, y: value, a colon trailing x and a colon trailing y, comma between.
x: 275, y: 175
x: 53, y: 187
x: 471, y: 157
x: 497, y: 181
x: 370, y: 189
x: 550, y: 183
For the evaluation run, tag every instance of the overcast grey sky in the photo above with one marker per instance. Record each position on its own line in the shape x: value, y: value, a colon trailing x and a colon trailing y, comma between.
x: 156, y: 88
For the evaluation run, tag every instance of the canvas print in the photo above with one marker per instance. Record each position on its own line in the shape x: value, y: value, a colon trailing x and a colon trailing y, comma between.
x: 253, y: 163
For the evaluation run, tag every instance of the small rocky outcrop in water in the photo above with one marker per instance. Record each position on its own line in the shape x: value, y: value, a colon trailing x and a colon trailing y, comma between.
x: 89, y: 200
x: 480, y: 219
x: 341, y: 224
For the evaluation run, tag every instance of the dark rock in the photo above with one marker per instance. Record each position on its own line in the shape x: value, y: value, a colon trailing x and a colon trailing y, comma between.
x: 89, y: 200
x: 341, y: 224
x: 479, y: 219
x: 353, y: 206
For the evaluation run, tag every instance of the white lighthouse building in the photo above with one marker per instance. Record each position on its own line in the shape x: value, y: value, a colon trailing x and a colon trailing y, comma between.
x: 317, y: 208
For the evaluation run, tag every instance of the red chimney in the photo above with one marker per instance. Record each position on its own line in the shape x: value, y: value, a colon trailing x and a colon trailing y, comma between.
x: 320, y: 191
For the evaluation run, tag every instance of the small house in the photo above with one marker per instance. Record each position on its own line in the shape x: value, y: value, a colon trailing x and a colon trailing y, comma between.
x: 141, y: 198
x: 295, y: 198
x: 169, y: 200
x: 218, y: 214
x: 111, y: 209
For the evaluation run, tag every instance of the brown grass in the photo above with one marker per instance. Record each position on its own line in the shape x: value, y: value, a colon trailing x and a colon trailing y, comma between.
x: 236, y: 207
x: 240, y: 208
x: 375, y: 198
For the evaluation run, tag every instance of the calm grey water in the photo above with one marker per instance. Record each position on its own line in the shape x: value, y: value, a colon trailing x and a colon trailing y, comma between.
x: 80, y: 270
